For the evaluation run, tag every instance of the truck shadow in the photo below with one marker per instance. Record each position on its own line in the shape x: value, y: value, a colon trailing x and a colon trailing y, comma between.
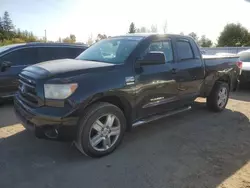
x: 192, y: 149
x: 7, y: 115
x: 243, y: 95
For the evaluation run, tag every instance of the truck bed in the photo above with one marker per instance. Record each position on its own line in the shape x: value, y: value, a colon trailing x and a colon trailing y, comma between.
x: 220, y: 61
x: 218, y: 65
x: 226, y: 56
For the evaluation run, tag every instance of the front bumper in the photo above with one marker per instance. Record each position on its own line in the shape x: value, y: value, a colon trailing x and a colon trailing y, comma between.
x: 33, y: 119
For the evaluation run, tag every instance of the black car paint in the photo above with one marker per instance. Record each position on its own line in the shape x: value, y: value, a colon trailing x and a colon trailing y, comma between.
x: 9, y: 77
x: 171, y: 85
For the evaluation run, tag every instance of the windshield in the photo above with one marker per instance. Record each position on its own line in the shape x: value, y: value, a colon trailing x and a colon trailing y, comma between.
x: 113, y: 51
x: 245, y: 56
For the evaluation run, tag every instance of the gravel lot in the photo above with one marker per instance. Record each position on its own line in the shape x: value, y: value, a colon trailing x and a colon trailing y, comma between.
x: 193, y: 149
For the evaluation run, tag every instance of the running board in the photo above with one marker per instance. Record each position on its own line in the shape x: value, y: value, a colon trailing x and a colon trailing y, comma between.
x: 156, y: 117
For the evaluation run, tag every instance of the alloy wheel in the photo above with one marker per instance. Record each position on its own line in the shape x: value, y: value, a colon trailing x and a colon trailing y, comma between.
x: 104, y: 132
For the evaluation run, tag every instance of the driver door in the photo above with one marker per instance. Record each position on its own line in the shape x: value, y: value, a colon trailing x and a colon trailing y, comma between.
x: 156, y: 88
x: 19, y: 59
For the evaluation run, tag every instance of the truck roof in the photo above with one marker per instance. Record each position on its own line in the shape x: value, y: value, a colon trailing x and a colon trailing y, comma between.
x: 146, y: 35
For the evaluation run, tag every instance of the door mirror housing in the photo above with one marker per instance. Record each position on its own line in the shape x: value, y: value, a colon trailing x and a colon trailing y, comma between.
x: 5, y: 65
x: 153, y: 58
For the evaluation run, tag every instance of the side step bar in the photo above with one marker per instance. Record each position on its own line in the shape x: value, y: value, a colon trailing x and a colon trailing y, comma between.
x: 156, y: 117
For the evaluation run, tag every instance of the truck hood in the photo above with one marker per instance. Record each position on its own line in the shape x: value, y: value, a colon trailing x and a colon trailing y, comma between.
x: 56, y: 67
x: 245, y: 66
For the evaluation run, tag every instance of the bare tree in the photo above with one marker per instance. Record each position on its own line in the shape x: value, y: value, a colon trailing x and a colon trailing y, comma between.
x: 165, y: 26
x: 100, y: 37
x: 154, y: 29
x: 90, y: 40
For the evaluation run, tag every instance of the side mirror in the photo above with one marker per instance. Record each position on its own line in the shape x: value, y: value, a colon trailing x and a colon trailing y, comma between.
x: 5, y: 65
x: 153, y: 58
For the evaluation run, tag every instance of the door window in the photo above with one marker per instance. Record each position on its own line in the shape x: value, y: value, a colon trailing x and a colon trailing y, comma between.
x: 48, y: 53
x: 74, y: 52
x: 53, y: 53
x: 25, y: 56
x: 184, y: 50
x: 162, y: 46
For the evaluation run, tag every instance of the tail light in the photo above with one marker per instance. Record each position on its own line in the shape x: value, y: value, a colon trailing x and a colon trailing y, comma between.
x: 239, y: 64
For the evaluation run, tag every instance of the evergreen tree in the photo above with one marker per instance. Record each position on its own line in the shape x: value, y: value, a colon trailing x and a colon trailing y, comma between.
x: 132, y: 28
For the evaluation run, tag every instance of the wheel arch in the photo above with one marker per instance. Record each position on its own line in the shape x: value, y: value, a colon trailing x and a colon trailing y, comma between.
x: 211, y: 80
x: 118, y: 100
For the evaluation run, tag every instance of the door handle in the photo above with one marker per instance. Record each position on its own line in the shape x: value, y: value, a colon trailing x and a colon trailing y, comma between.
x: 174, y: 70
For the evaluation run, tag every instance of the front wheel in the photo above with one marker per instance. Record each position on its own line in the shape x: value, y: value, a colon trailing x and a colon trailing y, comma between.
x: 218, y: 98
x: 101, y: 130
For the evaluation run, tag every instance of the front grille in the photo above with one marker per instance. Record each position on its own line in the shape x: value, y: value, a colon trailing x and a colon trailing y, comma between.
x: 27, y: 91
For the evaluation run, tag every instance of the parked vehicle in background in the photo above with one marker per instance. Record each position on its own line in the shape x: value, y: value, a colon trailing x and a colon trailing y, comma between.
x: 13, y: 58
x: 245, y: 75
x: 224, y: 54
x: 119, y: 83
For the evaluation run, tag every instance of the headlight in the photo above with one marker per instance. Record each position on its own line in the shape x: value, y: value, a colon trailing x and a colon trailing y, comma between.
x: 59, y: 91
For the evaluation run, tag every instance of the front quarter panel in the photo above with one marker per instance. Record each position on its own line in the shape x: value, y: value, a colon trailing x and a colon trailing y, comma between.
x: 94, y: 86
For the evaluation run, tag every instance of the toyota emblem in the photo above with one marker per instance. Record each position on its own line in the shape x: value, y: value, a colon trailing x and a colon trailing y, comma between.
x: 23, y: 89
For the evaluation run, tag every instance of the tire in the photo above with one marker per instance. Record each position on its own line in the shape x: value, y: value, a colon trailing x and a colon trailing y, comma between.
x: 213, y: 103
x: 87, y: 132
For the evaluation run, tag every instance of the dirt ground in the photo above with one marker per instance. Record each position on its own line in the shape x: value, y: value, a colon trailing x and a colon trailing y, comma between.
x: 193, y: 149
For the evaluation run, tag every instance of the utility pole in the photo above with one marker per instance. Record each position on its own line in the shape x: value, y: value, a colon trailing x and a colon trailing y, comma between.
x: 45, y: 37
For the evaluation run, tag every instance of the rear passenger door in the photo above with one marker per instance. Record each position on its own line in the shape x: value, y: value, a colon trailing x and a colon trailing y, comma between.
x: 188, y: 70
x: 19, y: 59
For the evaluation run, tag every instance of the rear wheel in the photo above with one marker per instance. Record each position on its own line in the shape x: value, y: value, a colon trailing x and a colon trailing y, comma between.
x: 101, y: 130
x: 218, y: 98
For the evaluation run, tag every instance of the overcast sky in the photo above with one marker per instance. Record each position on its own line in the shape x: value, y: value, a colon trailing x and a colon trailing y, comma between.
x: 113, y: 17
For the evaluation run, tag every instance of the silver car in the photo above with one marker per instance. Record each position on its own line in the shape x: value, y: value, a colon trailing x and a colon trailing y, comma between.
x: 245, y: 58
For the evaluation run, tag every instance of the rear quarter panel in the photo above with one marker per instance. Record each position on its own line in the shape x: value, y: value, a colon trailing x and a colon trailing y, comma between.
x: 217, y: 68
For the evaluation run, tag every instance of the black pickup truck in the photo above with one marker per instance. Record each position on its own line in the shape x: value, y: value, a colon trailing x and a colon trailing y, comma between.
x: 119, y: 83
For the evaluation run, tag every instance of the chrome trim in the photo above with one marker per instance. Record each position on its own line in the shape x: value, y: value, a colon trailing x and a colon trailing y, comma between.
x: 130, y: 80
x: 24, y: 78
x: 26, y: 101
x: 6, y: 96
x: 159, y: 101
x: 156, y: 117
x: 29, y: 85
x: 29, y: 94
